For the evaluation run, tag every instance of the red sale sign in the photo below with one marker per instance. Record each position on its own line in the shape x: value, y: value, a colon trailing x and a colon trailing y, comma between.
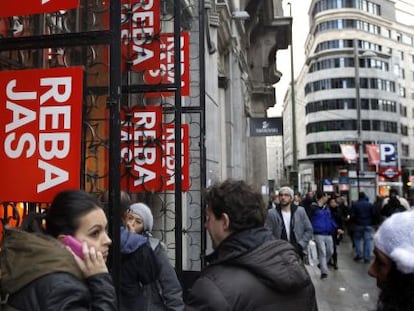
x: 140, y: 26
x: 148, y: 152
x: 164, y: 72
x: 41, y: 120
x: 141, y: 150
x: 15, y: 8
x: 169, y: 158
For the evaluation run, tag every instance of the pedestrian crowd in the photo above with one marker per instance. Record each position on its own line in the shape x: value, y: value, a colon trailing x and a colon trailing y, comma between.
x: 57, y: 260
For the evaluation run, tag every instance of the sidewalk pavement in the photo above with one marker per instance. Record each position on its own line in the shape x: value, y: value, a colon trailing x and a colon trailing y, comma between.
x: 349, y: 288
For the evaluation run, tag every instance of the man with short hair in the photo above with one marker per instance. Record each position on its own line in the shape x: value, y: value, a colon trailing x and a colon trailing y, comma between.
x: 249, y: 269
x: 290, y: 222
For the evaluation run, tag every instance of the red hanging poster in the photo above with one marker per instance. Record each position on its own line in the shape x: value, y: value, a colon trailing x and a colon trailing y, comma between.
x: 41, y: 123
x: 141, y: 150
x: 29, y: 7
x: 170, y: 155
x: 140, y: 34
x: 163, y: 74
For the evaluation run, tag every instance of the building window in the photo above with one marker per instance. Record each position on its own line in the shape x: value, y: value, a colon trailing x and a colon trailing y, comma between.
x: 403, y: 110
x: 405, y: 150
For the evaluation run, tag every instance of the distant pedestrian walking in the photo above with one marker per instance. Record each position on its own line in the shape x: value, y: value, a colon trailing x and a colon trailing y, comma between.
x: 289, y: 222
x: 393, y: 266
x: 362, y: 215
x: 337, y: 232
x: 323, y: 225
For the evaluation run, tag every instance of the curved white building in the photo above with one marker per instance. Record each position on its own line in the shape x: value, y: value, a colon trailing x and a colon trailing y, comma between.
x: 358, y: 56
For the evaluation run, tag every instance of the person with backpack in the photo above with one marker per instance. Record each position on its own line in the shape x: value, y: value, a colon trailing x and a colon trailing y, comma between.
x: 164, y: 293
x: 39, y: 273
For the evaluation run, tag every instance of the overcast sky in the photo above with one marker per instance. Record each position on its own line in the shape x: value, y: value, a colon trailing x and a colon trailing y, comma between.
x: 300, y: 31
x: 405, y: 14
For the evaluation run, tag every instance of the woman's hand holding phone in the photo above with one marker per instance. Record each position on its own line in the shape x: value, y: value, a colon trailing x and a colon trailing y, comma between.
x: 89, y: 260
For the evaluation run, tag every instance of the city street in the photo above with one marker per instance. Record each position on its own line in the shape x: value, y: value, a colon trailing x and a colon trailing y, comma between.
x: 349, y: 287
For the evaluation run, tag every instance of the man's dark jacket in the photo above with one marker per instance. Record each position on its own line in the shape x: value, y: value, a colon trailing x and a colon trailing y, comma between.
x: 251, y: 270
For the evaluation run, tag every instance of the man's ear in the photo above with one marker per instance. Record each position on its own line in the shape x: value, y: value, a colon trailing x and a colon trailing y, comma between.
x: 226, y: 221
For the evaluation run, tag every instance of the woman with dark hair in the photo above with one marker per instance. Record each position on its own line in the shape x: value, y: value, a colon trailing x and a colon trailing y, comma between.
x: 38, y: 272
x: 394, y: 262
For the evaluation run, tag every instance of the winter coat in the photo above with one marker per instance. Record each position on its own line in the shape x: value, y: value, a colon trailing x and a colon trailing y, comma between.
x: 300, y: 225
x: 40, y: 274
x: 363, y: 213
x: 251, y: 270
x: 165, y: 293
x: 321, y: 219
x: 139, y: 267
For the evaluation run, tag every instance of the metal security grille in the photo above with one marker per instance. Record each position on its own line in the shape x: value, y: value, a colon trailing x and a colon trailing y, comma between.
x: 89, y: 36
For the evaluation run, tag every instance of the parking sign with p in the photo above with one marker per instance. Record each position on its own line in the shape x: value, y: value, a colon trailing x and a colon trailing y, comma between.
x: 388, y: 154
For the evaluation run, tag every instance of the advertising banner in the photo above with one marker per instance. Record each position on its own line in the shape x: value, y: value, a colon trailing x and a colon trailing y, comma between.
x: 349, y: 152
x: 164, y: 72
x: 373, y: 153
x: 148, y: 152
x: 29, y: 7
x: 140, y: 23
x: 169, y: 158
x: 266, y: 126
x: 41, y: 123
x: 141, y: 150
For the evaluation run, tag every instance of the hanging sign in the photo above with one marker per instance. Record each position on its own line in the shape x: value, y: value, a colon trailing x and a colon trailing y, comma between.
x: 168, y: 163
x: 348, y: 152
x: 41, y: 120
x: 140, y: 23
x: 388, y: 155
x: 141, y: 150
x: 148, y: 152
x: 373, y: 153
x: 29, y: 7
x: 163, y: 74
x: 266, y: 126
x: 389, y: 172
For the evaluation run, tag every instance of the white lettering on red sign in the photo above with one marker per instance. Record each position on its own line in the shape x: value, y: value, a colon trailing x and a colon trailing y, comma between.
x: 137, y: 34
x: 54, y: 125
x: 169, y: 158
x: 166, y: 70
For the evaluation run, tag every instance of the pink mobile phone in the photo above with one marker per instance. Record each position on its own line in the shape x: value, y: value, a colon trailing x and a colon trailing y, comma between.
x: 74, y: 244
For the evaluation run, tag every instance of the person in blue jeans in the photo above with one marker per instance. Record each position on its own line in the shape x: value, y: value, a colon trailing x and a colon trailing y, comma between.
x: 323, y: 226
x: 362, y: 214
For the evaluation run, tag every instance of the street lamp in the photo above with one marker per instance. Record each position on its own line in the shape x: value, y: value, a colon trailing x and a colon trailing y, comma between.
x: 360, y: 141
x: 294, y: 172
x: 358, y: 109
x: 357, y: 57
